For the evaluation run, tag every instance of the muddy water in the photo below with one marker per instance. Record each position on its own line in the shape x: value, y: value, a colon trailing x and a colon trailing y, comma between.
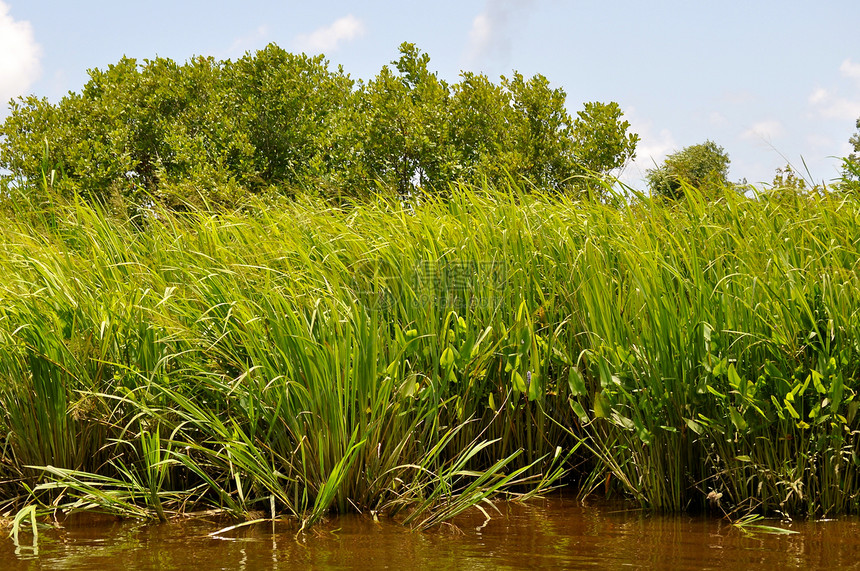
x: 556, y: 533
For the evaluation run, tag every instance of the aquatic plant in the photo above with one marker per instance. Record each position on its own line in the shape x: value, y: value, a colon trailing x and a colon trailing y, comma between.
x: 298, y: 358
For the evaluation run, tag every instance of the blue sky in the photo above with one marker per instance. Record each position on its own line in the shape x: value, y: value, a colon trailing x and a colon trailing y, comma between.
x: 771, y: 82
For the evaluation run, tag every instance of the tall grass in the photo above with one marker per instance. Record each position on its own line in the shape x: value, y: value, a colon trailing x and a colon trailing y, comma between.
x: 300, y: 359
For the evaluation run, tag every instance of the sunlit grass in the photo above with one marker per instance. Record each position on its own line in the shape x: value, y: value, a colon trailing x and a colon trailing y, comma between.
x: 301, y: 359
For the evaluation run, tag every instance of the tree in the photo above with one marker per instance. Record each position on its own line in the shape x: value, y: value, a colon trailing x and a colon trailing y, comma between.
x: 704, y: 166
x: 132, y: 128
x: 285, y: 105
x: 851, y: 164
x: 601, y: 141
x: 521, y: 129
x: 480, y: 115
x: 401, y: 129
x: 208, y: 131
x: 786, y: 179
x: 855, y: 139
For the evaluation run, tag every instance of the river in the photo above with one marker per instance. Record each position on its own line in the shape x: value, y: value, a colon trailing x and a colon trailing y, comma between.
x: 553, y: 533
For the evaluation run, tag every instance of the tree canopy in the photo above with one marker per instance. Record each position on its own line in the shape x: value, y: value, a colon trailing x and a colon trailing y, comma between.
x: 702, y: 166
x: 274, y: 121
x: 851, y: 163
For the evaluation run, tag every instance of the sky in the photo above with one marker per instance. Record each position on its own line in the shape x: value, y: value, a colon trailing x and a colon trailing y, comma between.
x: 772, y: 82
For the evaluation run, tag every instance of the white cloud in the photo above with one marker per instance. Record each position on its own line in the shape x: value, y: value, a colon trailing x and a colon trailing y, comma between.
x: 820, y: 95
x: 328, y: 38
x: 819, y: 141
x: 831, y: 106
x: 766, y: 130
x: 19, y: 57
x: 829, y: 103
x: 252, y: 41
x: 718, y: 119
x: 652, y: 149
x: 492, y: 31
x: 850, y: 69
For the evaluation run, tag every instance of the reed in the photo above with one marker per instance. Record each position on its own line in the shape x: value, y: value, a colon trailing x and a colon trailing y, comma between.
x: 300, y: 358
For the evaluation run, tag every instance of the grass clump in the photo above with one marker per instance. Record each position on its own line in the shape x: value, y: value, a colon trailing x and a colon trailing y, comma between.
x: 303, y: 359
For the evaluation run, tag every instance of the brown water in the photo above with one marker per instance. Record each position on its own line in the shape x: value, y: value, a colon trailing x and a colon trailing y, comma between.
x: 555, y: 533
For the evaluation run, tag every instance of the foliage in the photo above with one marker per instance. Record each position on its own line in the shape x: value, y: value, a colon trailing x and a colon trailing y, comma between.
x: 851, y: 166
x: 211, y: 133
x: 603, y: 144
x: 401, y: 129
x: 301, y: 358
x: 855, y: 138
x: 285, y: 106
x: 790, y: 187
x: 787, y: 179
x: 704, y: 166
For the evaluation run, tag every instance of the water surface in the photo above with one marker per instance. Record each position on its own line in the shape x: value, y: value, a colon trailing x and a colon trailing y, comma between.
x: 552, y: 533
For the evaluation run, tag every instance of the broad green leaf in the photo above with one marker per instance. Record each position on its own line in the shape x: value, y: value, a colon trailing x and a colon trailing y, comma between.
x: 575, y: 382
x: 447, y: 358
x: 837, y: 388
x: 738, y: 419
x: 816, y: 382
x: 601, y: 406
x: 643, y: 433
x: 694, y: 426
x: 579, y: 411
x: 518, y: 382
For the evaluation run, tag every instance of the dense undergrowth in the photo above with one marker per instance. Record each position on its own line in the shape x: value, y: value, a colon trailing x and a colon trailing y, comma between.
x: 298, y: 359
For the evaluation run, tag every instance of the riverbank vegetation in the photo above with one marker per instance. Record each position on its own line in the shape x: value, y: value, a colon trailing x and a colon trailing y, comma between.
x: 402, y: 321
x: 304, y: 357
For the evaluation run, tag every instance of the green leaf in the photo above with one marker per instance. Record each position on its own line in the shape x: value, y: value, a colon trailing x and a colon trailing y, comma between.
x: 622, y: 421
x: 575, y: 382
x: 837, y: 387
x: 518, y: 382
x: 601, y: 406
x: 852, y: 410
x: 772, y: 371
x: 816, y: 382
x: 694, y: 426
x: 579, y: 411
x: 715, y: 392
x: 738, y: 383
x: 447, y: 358
x: 738, y: 419
x: 777, y: 407
x: 643, y: 433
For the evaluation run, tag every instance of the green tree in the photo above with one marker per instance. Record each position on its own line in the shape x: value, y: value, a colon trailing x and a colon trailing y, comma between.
x: 851, y: 164
x: 522, y: 129
x: 855, y: 138
x: 480, y: 115
x: 208, y: 131
x: 285, y: 106
x: 704, y: 166
x: 401, y: 128
x: 602, y: 141
x: 130, y: 130
x: 541, y: 149
x: 788, y: 180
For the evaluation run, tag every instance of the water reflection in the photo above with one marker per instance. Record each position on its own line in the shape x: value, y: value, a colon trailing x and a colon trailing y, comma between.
x: 556, y: 533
